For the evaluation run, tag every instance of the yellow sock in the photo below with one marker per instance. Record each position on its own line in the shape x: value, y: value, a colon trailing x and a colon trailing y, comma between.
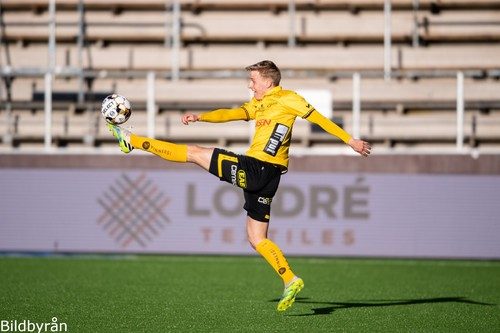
x: 273, y: 255
x: 166, y: 150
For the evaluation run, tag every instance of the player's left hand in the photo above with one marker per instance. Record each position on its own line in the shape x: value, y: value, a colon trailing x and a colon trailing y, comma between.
x: 361, y: 147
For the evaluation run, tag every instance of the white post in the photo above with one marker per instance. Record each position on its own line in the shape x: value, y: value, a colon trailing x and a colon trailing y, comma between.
x: 49, y: 75
x: 387, y: 40
x: 356, y: 104
x: 176, y: 39
x: 8, y: 135
x: 52, y: 35
x: 415, y: 35
x: 167, y: 42
x: 291, y: 17
x: 151, y: 105
x: 80, y: 42
x: 48, y: 111
x: 460, y: 110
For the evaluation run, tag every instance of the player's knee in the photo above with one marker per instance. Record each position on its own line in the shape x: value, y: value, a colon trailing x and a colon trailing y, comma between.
x: 256, y: 231
x: 193, y: 152
x: 254, y: 240
x: 199, y: 155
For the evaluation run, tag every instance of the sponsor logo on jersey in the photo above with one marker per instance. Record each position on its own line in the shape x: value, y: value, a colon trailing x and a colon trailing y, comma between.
x: 262, y: 122
x: 276, y: 140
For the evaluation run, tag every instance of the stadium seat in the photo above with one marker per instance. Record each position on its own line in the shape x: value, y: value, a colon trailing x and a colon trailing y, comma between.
x: 334, y: 39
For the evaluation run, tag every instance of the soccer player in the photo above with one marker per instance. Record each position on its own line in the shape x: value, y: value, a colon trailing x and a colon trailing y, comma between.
x: 257, y: 172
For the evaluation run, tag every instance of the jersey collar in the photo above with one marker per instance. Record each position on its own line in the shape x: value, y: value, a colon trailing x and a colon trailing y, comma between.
x: 269, y: 92
x: 272, y: 91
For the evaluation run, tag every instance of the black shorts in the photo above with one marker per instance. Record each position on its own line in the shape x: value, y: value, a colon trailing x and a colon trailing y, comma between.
x: 259, y: 180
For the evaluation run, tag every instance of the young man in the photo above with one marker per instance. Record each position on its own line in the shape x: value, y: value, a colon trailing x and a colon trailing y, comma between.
x: 257, y: 172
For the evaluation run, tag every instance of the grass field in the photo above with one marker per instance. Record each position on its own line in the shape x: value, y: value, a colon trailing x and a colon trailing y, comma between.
x: 227, y: 294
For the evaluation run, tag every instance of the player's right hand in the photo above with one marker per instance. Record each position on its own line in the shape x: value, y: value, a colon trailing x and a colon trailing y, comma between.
x: 189, y: 118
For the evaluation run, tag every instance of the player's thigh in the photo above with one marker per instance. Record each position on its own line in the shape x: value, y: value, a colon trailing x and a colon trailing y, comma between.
x: 226, y: 166
x: 258, y: 206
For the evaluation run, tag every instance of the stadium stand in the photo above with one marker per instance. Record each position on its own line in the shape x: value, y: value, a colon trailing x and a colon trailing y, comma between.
x: 121, y: 41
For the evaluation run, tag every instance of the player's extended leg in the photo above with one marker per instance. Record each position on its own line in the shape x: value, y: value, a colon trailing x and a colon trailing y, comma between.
x: 166, y: 150
x: 257, y: 236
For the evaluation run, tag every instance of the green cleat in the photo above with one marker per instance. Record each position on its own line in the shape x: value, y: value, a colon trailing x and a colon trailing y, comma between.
x: 123, y: 137
x: 289, y: 294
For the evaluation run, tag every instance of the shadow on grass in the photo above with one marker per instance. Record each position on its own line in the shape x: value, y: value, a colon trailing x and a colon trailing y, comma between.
x: 333, y: 306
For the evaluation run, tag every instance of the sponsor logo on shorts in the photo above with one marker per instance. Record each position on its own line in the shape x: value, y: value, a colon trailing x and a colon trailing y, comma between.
x: 242, y: 179
x: 265, y: 201
x: 238, y: 177
x: 234, y: 170
x: 146, y: 145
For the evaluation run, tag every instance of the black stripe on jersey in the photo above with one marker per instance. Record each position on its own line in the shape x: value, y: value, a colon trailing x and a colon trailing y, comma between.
x: 309, y: 113
x: 246, y: 111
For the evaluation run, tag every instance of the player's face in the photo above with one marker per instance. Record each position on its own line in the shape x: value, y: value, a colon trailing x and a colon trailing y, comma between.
x: 258, y: 84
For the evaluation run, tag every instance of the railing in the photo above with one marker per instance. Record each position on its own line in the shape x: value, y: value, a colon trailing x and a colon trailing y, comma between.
x: 152, y: 104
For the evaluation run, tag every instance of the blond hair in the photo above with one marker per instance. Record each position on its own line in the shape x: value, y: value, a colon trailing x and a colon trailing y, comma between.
x: 268, y: 70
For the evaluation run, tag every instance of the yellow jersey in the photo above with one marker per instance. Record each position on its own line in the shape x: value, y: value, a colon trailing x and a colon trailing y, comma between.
x: 274, y: 117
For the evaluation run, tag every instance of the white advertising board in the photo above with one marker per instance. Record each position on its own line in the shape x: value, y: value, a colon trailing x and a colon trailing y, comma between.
x: 321, y: 214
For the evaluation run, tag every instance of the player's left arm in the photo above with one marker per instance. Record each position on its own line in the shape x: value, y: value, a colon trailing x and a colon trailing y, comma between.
x: 359, y: 146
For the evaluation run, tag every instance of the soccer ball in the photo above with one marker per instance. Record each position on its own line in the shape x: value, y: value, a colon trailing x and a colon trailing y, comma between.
x: 116, y: 109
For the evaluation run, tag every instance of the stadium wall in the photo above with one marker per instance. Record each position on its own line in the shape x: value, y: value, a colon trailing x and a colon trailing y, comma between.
x: 386, y: 206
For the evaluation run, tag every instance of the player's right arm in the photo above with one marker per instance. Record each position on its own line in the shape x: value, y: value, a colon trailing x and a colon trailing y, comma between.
x: 217, y: 116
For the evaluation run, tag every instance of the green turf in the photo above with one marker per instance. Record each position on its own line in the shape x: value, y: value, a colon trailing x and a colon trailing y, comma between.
x: 162, y: 294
